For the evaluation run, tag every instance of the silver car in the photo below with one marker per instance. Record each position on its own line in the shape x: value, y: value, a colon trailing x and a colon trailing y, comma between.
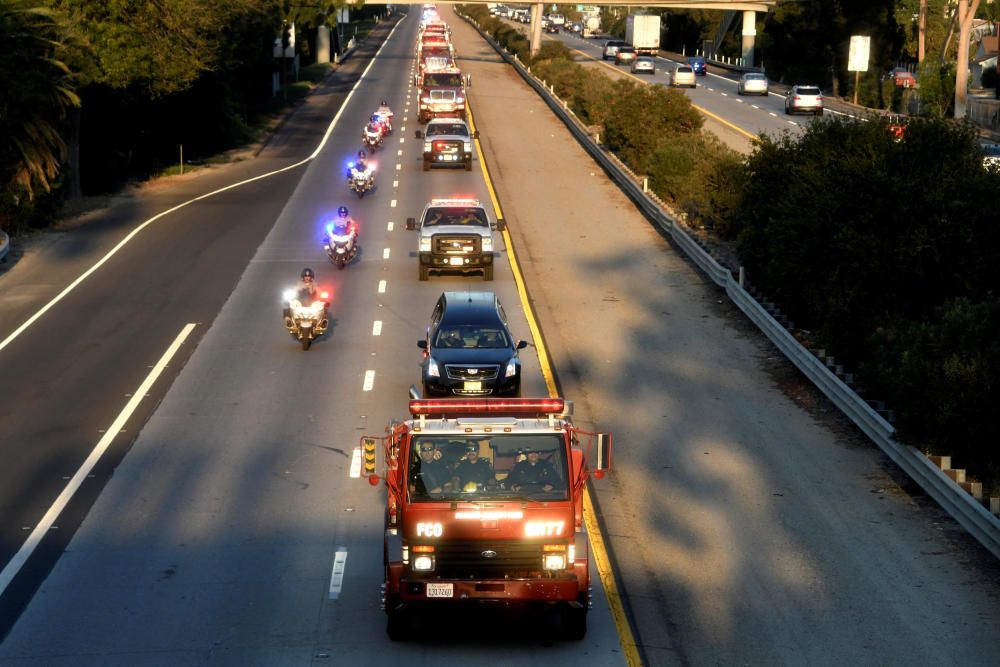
x: 611, y: 48
x: 752, y: 83
x: 645, y: 65
x: 808, y: 99
x: 683, y: 76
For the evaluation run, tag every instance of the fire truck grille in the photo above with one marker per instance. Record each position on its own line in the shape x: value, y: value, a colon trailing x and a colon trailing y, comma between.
x: 487, y: 559
x: 448, y: 244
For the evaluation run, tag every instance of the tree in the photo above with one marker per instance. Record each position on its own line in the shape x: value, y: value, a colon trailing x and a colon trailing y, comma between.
x: 39, y: 90
x: 966, y: 12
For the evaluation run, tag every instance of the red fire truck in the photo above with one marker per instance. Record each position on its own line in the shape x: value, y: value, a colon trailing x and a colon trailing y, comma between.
x: 485, y: 505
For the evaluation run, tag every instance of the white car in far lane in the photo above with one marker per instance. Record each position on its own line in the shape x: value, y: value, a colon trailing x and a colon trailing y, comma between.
x: 752, y: 83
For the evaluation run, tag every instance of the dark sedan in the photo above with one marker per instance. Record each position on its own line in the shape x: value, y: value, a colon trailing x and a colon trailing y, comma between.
x: 469, y: 350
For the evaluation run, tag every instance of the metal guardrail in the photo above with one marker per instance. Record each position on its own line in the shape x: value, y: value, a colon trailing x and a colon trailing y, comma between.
x: 4, y: 245
x: 965, y: 509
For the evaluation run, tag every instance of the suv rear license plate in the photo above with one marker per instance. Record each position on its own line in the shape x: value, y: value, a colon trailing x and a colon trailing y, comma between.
x: 456, y: 261
x: 440, y: 590
x: 473, y: 386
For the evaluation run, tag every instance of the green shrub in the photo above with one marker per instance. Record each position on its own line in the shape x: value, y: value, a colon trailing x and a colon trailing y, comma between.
x: 642, y: 114
x: 940, y: 378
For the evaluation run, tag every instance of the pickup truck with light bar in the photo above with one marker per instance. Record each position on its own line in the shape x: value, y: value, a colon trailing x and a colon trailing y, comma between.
x: 455, y: 235
x: 447, y: 143
x: 442, y: 95
x: 485, y: 507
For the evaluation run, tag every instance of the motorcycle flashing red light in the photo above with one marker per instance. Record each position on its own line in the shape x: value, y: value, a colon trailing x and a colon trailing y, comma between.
x: 493, y: 406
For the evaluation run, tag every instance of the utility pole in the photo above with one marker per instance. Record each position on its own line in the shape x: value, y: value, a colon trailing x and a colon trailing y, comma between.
x: 966, y: 12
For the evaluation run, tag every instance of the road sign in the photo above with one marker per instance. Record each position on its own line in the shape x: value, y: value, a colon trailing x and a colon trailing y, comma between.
x: 857, y: 60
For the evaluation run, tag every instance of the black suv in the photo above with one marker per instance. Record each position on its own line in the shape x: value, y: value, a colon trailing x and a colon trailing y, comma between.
x: 469, y: 350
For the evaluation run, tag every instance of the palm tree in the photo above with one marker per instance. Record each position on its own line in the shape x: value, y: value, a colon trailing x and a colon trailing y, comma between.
x: 38, y: 91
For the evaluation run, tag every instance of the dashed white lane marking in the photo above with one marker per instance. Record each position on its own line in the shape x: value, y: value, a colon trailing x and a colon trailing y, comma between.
x: 404, y: 128
x: 377, y: 328
x: 723, y: 94
x: 395, y: 184
x: 399, y: 152
x: 773, y: 114
x: 392, y: 204
x: 337, y: 576
x: 755, y: 106
x: 792, y: 122
x: 390, y: 226
x: 739, y: 100
x: 385, y: 253
x: 369, y: 381
x: 47, y: 521
x: 712, y: 89
x: 356, y: 463
x: 402, y: 140
x: 398, y: 167
x: 381, y: 287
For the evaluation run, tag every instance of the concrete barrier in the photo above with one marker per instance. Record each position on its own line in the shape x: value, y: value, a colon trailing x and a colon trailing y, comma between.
x: 960, y: 505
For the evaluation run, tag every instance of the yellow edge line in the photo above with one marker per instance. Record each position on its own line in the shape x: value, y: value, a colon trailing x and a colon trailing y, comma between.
x: 701, y: 109
x: 601, y: 560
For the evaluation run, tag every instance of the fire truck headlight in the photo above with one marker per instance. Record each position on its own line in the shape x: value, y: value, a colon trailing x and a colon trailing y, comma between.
x: 555, y: 561
x: 423, y: 563
x: 425, y: 244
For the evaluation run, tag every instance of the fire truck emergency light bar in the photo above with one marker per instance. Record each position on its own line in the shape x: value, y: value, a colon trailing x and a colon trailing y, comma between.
x: 494, y: 406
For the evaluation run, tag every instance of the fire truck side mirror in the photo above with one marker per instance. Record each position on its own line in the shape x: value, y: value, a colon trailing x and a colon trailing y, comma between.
x: 374, y: 480
x: 419, y: 134
x: 411, y: 223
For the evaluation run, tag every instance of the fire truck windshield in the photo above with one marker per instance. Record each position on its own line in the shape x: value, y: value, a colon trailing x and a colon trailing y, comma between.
x: 488, y: 466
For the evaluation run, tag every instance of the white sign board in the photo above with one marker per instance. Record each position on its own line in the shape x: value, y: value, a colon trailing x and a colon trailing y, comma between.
x: 857, y: 60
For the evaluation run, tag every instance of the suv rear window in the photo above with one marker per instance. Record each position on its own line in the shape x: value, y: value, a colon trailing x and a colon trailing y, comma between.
x: 808, y: 90
x: 456, y: 215
x: 453, y: 80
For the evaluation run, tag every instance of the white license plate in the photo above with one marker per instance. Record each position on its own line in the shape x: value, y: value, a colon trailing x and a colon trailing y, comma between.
x: 473, y: 386
x: 456, y: 261
x: 440, y: 590
x: 448, y: 158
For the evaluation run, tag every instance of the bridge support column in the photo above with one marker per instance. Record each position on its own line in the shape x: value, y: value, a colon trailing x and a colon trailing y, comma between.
x: 536, y: 27
x: 749, y: 34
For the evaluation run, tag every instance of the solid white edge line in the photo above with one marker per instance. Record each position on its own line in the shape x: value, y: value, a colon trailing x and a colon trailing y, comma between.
x: 337, y: 575
x: 121, y: 244
x: 46, y: 522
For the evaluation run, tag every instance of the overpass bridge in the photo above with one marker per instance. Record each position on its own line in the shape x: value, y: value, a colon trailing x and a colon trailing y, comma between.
x: 749, y: 10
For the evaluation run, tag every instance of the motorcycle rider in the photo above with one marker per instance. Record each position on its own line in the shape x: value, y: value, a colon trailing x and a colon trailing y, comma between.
x: 344, y: 223
x: 360, y: 165
x: 385, y: 113
x: 374, y: 128
x: 305, y: 292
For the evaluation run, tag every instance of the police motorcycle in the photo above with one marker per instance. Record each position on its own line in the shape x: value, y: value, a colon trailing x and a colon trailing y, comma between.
x: 305, y: 313
x: 361, y: 175
x: 371, y: 136
x: 341, y: 239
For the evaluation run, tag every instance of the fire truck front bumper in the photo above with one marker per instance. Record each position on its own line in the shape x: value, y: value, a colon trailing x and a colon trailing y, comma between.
x: 419, y: 592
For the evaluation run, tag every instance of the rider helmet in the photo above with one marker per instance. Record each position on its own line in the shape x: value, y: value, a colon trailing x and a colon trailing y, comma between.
x: 384, y: 103
x: 308, y: 273
x: 342, y: 211
x: 361, y: 155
